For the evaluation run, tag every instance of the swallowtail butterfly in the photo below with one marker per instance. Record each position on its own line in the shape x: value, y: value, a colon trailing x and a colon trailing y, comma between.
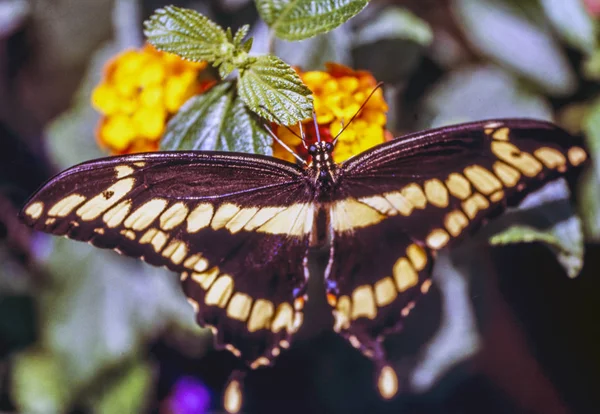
x: 238, y: 227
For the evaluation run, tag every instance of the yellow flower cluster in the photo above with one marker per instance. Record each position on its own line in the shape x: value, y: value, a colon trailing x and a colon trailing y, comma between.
x: 338, y: 95
x: 140, y: 91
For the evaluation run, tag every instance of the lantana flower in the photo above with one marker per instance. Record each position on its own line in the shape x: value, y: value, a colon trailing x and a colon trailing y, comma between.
x: 140, y: 91
x: 338, y: 95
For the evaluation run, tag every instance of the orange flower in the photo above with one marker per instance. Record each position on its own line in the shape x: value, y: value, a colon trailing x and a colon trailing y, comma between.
x: 141, y: 90
x: 338, y: 95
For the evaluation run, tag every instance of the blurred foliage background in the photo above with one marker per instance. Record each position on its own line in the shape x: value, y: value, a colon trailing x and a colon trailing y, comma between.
x: 504, y: 331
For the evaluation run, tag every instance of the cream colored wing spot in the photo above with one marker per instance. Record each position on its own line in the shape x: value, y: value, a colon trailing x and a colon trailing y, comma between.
x: 342, y: 314
x: 387, y: 383
x: 497, y: 196
x: 173, y: 216
x: 196, y: 262
x: 115, y: 216
x: 414, y: 195
x: 399, y: 202
x: 385, y: 291
x: 260, y: 362
x: 436, y: 193
x: 145, y: 214
x: 261, y: 217
x: 128, y: 234
x: 417, y: 256
x: 455, y: 222
x: 224, y: 213
x: 474, y: 204
x: 156, y: 238
x: 425, y: 286
x: 239, y: 306
x: 191, y: 261
x: 200, y: 217
x: 201, y: 265
x: 183, y: 276
x: 99, y: 230
x: 139, y: 164
x: 176, y: 251
x: 406, y: 311
x: 233, y: 350
x: 507, y: 174
x: 437, y: 239
x: 64, y: 207
x: 379, y: 203
x: 405, y: 275
x: 297, y: 323
x: 349, y: 214
x: 123, y: 170
x: 512, y: 155
x: 576, y: 155
x: 551, y: 158
x: 482, y: 179
x: 35, y: 210
x: 295, y: 220
x: 194, y: 304
x: 98, y: 204
x: 283, y: 318
x: 501, y: 134
x: 50, y: 221
x: 354, y: 341
x: 459, y: 186
x: 220, y: 291
x: 206, y: 279
x: 241, y: 219
x: 363, y: 303
x: 261, y: 315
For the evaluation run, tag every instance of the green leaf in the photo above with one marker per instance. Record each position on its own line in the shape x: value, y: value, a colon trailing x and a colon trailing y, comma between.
x: 39, y: 383
x: 301, y: 19
x: 546, y: 216
x: 313, y: 53
x: 240, y: 35
x: 127, y: 393
x: 188, y: 34
x: 272, y: 89
x: 112, y: 305
x: 590, y: 185
x: 247, y: 45
x: 216, y: 120
x: 459, y: 97
x: 395, y: 23
x: 572, y: 22
x: 504, y: 34
x: 563, y: 239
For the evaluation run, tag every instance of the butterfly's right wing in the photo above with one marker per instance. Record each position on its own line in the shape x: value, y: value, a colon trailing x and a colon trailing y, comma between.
x: 235, y: 226
x: 399, y: 203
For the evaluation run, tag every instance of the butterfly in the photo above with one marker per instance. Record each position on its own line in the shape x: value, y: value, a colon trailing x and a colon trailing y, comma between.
x: 238, y: 227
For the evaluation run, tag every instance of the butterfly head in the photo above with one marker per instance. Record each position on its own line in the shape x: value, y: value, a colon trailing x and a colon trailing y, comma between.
x: 323, y: 163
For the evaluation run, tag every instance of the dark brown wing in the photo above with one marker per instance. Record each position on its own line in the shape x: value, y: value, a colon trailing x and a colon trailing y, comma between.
x: 235, y: 226
x: 399, y: 203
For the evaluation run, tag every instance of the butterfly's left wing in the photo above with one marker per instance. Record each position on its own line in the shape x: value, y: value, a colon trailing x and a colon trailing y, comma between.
x: 400, y: 202
x: 236, y: 226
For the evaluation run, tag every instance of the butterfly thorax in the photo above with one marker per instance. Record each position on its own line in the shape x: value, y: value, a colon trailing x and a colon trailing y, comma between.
x: 324, y: 168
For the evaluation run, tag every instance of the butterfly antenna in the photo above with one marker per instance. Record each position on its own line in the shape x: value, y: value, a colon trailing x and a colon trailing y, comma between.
x: 281, y: 123
x: 379, y: 85
x: 302, y: 135
x: 316, y: 127
x: 284, y: 145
